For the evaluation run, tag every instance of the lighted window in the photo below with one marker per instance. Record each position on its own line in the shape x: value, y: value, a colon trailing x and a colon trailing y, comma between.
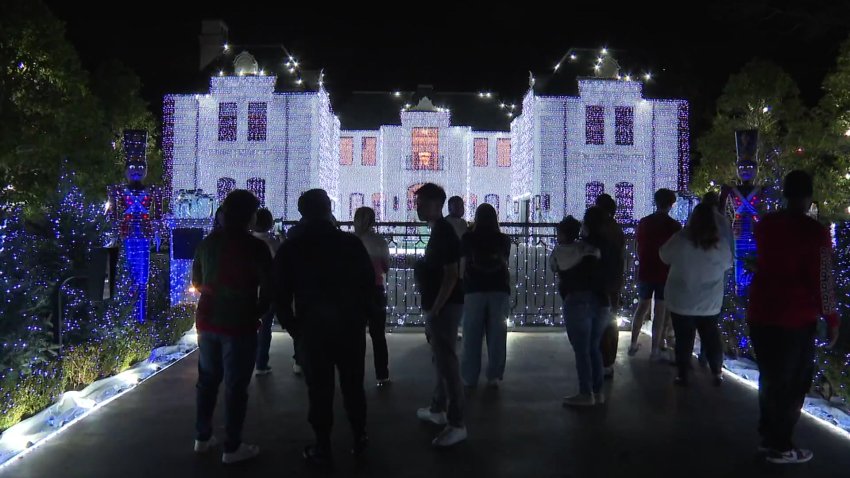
x: 624, y: 118
x: 493, y: 200
x: 355, y: 201
x: 258, y: 187
x: 535, y: 203
x: 593, y: 190
x: 426, y: 151
x: 378, y: 206
x: 479, y: 152
x: 395, y: 203
x: 411, y: 196
x: 346, y: 151
x: 256, y: 122
x: 224, y: 186
x: 473, y: 201
x: 624, y: 194
x: 227, y: 121
x: 503, y: 152
x: 369, y: 151
x: 594, y: 129
x: 547, y: 202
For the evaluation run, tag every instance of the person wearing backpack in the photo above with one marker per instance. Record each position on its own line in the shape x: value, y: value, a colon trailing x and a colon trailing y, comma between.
x: 486, y: 302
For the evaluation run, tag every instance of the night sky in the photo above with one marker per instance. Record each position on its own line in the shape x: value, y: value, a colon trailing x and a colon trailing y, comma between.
x: 691, y: 51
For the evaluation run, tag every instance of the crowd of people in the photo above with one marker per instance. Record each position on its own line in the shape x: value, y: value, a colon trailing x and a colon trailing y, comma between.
x: 246, y: 277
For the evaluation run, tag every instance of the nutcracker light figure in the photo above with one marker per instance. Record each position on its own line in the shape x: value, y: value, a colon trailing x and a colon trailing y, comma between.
x: 137, y: 214
x: 743, y: 204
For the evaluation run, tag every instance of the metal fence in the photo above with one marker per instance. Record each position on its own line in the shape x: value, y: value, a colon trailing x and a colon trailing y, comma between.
x: 534, y: 289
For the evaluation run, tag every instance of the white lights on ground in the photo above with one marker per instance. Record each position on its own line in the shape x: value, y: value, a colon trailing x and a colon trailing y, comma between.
x: 765, y: 109
x: 226, y: 47
x: 604, y: 51
x: 397, y: 94
x: 573, y: 57
x: 847, y: 133
x: 647, y: 76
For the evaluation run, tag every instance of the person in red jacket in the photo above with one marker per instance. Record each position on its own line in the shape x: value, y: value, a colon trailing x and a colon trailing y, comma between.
x: 791, y: 289
x: 652, y: 232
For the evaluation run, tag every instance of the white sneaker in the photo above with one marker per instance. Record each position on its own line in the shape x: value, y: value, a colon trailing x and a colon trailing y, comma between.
x: 789, y: 457
x: 450, y: 436
x: 599, y: 398
x: 296, y: 369
x: 633, y: 350
x: 580, y: 400
x: 244, y: 452
x: 426, y: 415
x: 263, y: 371
x: 204, y: 446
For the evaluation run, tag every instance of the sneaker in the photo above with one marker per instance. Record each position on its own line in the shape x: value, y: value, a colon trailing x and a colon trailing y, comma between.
x: 580, y: 400
x: 599, y: 398
x: 608, y: 372
x: 450, y: 436
x: 437, y: 418
x: 296, y: 369
x: 633, y: 350
x: 263, y: 371
x: 383, y: 382
x: 657, y: 356
x: 493, y: 383
x: 244, y: 452
x: 317, y: 457
x: 663, y: 345
x: 204, y: 446
x: 796, y: 455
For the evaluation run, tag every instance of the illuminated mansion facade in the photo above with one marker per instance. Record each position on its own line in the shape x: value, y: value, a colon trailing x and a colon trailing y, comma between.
x: 558, y: 155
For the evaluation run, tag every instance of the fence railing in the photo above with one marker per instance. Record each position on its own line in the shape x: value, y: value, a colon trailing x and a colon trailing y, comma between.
x: 534, y: 288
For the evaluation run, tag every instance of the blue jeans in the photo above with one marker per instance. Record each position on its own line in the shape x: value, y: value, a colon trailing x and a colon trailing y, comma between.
x: 231, y: 358
x: 484, y: 314
x: 585, y: 323
x: 264, y: 340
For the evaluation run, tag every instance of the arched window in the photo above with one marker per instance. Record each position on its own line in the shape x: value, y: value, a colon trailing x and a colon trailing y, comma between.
x: 224, y: 186
x: 258, y: 187
x: 378, y: 206
x: 493, y: 200
x: 624, y: 194
x: 411, y: 196
x: 355, y: 201
x: 593, y: 190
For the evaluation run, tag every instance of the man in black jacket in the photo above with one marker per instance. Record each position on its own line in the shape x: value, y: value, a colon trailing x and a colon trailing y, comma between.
x: 329, y: 275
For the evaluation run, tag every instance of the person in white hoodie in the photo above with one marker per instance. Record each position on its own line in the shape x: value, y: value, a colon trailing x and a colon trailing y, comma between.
x: 698, y: 258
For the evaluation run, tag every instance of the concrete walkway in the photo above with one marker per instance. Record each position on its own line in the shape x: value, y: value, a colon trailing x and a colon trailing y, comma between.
x: 648, y: 428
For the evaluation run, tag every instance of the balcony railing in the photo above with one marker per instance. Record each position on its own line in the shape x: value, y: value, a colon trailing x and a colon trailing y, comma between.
x: 534, y: 288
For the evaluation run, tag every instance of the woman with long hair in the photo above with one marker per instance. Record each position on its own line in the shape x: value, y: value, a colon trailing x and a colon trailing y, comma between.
x: 698, y: 258
x: 379, y: 252
x: 486, y: 302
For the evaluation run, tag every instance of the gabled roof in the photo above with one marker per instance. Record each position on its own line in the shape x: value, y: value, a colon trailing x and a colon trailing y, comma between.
x: 369, y: 110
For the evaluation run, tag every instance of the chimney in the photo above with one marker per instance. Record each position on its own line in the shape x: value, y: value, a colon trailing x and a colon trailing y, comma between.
x: 211, y: 40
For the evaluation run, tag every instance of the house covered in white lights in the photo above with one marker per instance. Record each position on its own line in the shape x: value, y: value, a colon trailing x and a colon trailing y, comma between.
x: 550, y: 159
